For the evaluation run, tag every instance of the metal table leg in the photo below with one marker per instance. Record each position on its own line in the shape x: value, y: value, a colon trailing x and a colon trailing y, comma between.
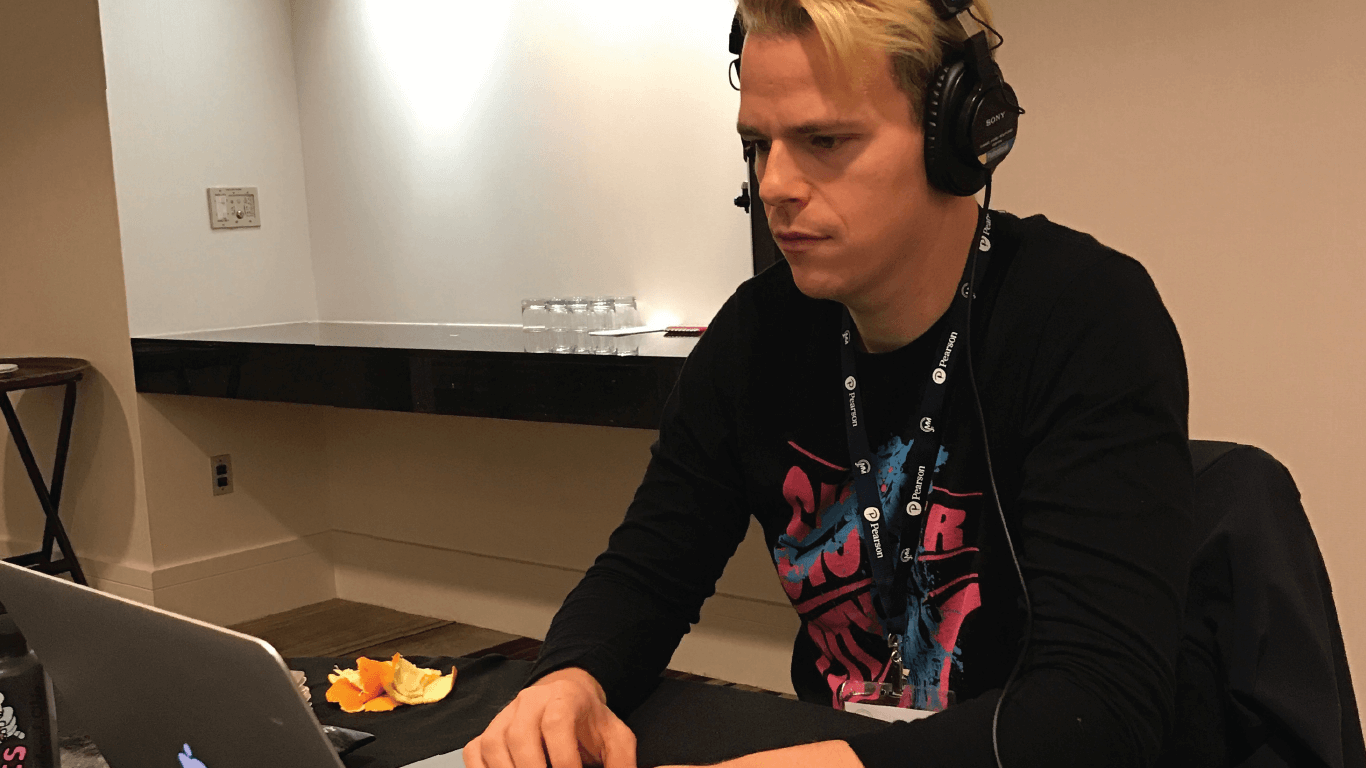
x: 48, y: 497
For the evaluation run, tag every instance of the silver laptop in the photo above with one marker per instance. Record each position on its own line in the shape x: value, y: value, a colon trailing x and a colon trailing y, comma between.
x: 153, y: 688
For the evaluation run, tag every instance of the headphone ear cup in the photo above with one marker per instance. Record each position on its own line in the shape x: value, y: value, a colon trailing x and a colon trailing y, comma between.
x: 948, y: 163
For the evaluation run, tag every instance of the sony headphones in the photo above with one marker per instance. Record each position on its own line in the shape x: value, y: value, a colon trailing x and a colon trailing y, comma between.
x: 971, y: 115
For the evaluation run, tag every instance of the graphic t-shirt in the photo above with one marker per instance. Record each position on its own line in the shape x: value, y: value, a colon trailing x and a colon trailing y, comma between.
x: 1083, y: 388
x: 820, y: 553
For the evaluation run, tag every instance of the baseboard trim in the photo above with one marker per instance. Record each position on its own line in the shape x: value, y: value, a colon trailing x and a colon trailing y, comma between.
x: 125, y: 579
x: 225, y: 589
x: 273, y: 585
x: 230, y: 562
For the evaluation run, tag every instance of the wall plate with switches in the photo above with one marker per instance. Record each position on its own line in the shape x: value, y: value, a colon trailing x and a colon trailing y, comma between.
x: 231, y: 207
x: 221, y: 467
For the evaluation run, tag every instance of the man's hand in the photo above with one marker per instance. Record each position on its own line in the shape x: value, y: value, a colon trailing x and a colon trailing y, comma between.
x: 562, y: 717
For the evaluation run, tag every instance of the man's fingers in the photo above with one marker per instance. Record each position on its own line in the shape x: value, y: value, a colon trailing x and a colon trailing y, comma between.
x: 618, y: 746
x: 496, y: 755
x: 477, y: 754
x: 524, y: 742
x: 490, y: 747
x: 559, y: 724
x: 471, y: 754
x: 558, y: 728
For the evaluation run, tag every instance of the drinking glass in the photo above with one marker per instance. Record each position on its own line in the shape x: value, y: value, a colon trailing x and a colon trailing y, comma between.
x: 535, y: 316
x: 580, y: 310
x: 561, y: 329
x: 603, y: 319
x: 628, y: 316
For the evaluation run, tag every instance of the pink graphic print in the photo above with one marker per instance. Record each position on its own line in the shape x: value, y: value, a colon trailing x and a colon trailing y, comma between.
x: 953, y: 612
x: 819, y: 559
x: 949, y: 591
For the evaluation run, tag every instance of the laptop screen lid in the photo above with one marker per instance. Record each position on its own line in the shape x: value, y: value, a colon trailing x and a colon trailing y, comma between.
x: 153, y: 688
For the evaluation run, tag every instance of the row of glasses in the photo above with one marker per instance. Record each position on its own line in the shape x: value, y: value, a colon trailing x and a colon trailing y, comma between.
x: 564, y: 325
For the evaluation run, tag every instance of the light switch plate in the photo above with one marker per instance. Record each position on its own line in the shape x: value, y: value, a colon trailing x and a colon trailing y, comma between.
x: 232, y: 207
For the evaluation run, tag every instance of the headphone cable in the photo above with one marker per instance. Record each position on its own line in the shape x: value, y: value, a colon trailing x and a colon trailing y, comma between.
x: 1008, y: 92
x: 1005, y: 528
x: 1000, y: 39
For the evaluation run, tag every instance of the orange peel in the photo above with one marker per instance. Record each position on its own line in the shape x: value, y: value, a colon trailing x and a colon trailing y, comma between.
x: 374, y: 675
x: 380, y: 686
x: 380, y: 704
x: 412, y: 684
x: 347, y: 696
x: 349, y: 675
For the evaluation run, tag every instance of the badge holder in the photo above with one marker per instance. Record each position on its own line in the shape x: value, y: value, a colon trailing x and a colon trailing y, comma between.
x: 888, y: 700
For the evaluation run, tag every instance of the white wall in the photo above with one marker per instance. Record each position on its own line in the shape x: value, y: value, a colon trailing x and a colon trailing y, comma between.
x: 201, y: 94
x: 459, y: 159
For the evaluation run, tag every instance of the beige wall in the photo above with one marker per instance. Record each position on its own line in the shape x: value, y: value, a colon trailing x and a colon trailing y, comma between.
x: 493, y: 522
x: 278, y: 475
x: 1219, y: 143
x: 61, y: 286
x: 259, y: 550
x: 478, y: 486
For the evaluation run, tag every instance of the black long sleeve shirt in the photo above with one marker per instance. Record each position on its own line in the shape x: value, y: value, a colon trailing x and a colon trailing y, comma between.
x: 1083, y: 386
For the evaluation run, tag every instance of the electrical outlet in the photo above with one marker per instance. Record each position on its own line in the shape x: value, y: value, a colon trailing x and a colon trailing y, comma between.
x: 221, y: 467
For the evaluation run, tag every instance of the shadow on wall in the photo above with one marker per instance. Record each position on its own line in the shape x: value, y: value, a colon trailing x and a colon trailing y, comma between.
x: 98, y: 502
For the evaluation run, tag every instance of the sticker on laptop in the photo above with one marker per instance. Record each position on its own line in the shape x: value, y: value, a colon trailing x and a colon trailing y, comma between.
x: 9, y: 724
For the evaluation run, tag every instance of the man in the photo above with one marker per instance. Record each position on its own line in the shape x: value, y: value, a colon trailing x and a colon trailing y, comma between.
x: 814, y: 391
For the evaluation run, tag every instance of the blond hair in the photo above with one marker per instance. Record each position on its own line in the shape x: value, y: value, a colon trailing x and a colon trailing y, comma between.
x: 908, y: 31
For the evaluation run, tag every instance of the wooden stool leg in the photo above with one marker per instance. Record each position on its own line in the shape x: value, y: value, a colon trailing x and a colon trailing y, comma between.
x: 53, y: 526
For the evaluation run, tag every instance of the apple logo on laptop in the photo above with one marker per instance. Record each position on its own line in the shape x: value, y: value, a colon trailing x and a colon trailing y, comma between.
x: 187, y: 760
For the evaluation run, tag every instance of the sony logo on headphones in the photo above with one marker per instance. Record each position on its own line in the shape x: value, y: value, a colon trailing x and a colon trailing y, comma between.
x: 994, y: 118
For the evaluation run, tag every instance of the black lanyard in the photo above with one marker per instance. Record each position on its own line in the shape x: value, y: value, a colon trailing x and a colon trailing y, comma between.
x: 890, y: 554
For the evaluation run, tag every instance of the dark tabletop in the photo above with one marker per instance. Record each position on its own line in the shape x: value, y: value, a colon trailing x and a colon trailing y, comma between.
x: 454, y: 370
x: 683, y: 722
x: 412, y: 336
x: 41, y: 372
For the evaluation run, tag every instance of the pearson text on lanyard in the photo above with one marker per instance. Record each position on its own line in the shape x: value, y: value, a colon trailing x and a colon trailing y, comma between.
x: 891, y: 554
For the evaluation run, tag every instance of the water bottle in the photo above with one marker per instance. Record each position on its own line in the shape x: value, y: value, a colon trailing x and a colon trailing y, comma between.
x: 28, y: 714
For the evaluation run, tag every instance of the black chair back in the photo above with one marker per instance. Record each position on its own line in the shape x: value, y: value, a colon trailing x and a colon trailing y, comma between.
x: 1262, y: 676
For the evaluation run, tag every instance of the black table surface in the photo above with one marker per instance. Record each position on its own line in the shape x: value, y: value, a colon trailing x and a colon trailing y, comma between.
x: 457, y: 370
x: 450, y: 337
x: 683, y: 722
x: 41, y: 372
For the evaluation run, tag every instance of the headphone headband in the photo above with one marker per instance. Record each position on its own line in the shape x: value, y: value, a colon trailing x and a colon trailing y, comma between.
x: 971, y: 114
x: 737, y: 34
x: 947, y: 9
